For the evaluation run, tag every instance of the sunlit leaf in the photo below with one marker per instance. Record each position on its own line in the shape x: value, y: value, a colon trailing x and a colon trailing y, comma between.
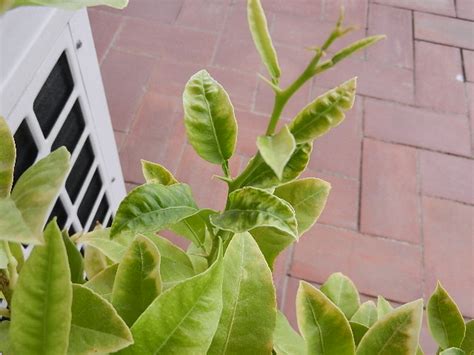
x: 354, y: 47
x: 5, y: 347
x: 94, y: 261
x: 343, y: 293
x: 12, y: 225
x: 156, y: 173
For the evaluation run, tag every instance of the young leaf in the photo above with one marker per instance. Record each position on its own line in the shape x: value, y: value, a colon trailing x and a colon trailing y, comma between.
x: 445, y: 321
x: 209, y: 118
x: 354, y: 47
x: 41, y: 304
x: 277, y: 150
x: 74, y: 257
x: 95, y: 325
x: 271, y: 242
x: 285, y: 340
x: 307, y: 197
x: 247, y: 290
x: 103, y: 282
x: 258, y: 174
x: 343, y: 293
x: 468, y: 342
x: 137, y: 282
x: 7, y: 159
x: 324, y: 113
x: 383, y: 307
x: 452, y: 351
x: 366, y: 314
x: 5, y: 346
x: 156, y: 173
x: 358, y: 331
x: 261, y: 37
x: 94, y: 261
x: 323, y: 326
x: 396, y: 333
x: 152, y: 207
x: 250, y: 207
x: 38, y: 188
x: 183, y: 319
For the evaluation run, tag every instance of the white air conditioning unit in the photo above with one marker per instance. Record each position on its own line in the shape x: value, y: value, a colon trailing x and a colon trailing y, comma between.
x: 51, y: 94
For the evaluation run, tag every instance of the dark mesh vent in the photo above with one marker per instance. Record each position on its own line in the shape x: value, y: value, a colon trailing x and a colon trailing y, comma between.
x: 109, y: 223
x: 59, y: 212
x: 89, y: 199
x: 53, y: 95
x: 71, y: 130
x: 71, y: 230
x: 101, y: 212
x: 26, y: 150
x: 79, y: 171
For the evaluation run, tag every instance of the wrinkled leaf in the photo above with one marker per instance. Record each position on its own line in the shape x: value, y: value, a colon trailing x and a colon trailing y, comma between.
x: 261, y: 37
x: 396, y: 333
x: 183, y: 319
x: 248, y: 301
x: 156, y: 173
x: 7, y: 158
x: 286, y: 341
x: 74, y: 257
x: 95, y: 325
x: 271, y: 242
x: 41, y: 304
x: 37, y: 189
x: 152, y: 207
x: 323, y: 326
x: 12, y: 225
x: 358, y: 331
x: 209, y: 118
x: 343, y: 293
x: 324, y: 113
x: 366, y: 314
x: 468, y: 342
x: 445, y: 321
x: 383, y: 307
x: 277, y: 150
x: 307, y: 197
x: 452, y: 351
x: 138, y: 280
x: 250, y: 207
x: 103, y: 282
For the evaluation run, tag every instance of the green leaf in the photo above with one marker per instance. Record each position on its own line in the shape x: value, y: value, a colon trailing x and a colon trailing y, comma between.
x: 74, y: 257
x: 396, y: 333
x: 250, y: 207
x: 468, y: 342
x: 259, y: 174
x: 452, y: 351
x: 324, y: 113
x: 41, y: 304
x: 94, y: 261
x: 271, y: 242
x: 354, y: 47
x: 7, y: 159
x: 307, y: 197
x: 261, y: 38
x: 152, y: 207
x: 109, y: 248
x: 5, y: 346
x: 12, y: 225
x: 358, y: 331
x: 103, y: 282
x: 343, y: 293
x: 176, y: 265
x: 138, y: 280
x: 17, y: 251
x: 383, y: 307
x: 183, y: 319
x: 445, y: 321
x: 323, y: 326
x: 156, y: 173
x: 366, y: 314
x: 195, y: 227
x: 95, y: 325
x: 277, y: 150
x: 286, y: 341
x: 248, y: 301
x: 209, y: 118
x: 71, y: 4
x: 37, y: 189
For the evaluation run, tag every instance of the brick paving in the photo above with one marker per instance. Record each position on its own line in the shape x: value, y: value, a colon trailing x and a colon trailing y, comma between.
x: 401, y: 211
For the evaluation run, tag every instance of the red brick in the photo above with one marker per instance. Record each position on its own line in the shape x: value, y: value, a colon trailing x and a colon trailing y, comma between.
x: 164, y: 11
x: 238, y: 55
x: 439, y: 67
x: 444, y: 30
x: 170, y: 77
x: 447, y: 176
x: 129, y: 186
x: 279, y: 273
x: 203, y: 14
x: 374, y: 79
x: 427, y: 342
x: 448, y: 230
x: 104, y: 27
x: 396, y: 24
x: 389, y: 205
x: 251, y: 126
x: 166, y: 41
x: 468, y: 59
x: 310, y: 8
x: 236, y: 26
x: 339, y: 150
x: 470, y: 98
x: 288, y: 307
x: 442, y: 7
x: 355, y: 12
x: 377, y: 266
x: 125, y: 79
x: 465, y: 9
x: 403, y: 124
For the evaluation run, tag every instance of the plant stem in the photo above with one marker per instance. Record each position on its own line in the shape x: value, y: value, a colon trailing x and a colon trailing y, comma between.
x: 12, y: 265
